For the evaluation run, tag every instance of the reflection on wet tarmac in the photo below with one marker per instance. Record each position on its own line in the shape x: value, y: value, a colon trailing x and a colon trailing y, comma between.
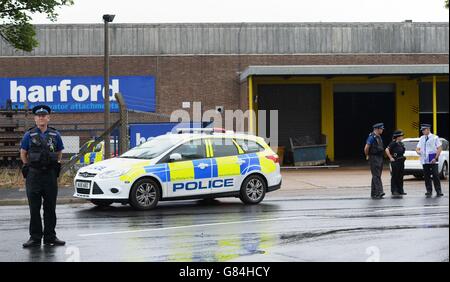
x: 182, y: 244
x: 43, y: 253
x: 225, y: 230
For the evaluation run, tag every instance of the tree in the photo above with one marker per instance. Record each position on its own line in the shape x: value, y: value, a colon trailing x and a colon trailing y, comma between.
x: 15, y: 17
x: 446, y: 4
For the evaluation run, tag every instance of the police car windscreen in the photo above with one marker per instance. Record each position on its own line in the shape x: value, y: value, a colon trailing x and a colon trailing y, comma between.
x: 410, y: 145
x: 153, y: 148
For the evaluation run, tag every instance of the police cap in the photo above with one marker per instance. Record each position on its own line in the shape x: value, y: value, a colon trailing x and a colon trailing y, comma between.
x: 41, y: 110
x: 397, y: 133
x: 379, y: 125
x: 425, y: 126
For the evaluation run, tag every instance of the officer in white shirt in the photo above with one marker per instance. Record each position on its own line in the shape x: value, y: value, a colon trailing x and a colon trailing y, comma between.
x: 429, y: 148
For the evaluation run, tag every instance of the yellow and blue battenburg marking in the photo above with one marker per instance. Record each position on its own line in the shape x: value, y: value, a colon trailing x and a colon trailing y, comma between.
x: 249, y: 163
x: 202, y: 172
x: 90, y: 158
x: 159, y: 170
x: 227, y: 166
x: 205, y: 168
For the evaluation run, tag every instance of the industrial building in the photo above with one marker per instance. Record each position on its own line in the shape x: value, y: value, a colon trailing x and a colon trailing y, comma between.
x: 326, y: 79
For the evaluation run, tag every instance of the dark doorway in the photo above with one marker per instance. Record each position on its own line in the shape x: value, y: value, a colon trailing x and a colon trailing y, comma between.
x: 354, y: 115
x: 299, y: 110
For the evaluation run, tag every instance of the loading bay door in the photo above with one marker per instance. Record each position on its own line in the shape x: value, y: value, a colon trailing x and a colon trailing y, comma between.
x: 356, y: 108
x: 299, y: 110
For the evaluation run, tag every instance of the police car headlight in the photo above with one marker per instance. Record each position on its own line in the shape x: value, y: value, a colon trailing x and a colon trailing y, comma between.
x: 113, y: 173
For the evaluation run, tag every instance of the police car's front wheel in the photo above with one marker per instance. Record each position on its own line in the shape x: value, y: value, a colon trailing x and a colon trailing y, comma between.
x: 144, y: 194
x: 253, y: 190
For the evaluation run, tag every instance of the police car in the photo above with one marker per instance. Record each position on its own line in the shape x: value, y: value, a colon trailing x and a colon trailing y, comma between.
x: 189, y: 164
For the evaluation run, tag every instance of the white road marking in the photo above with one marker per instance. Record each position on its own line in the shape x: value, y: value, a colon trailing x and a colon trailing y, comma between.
x: 412, y: 208
x: 239, y: 222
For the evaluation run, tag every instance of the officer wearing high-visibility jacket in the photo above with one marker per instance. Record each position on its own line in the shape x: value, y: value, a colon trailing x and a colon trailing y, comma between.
x: 41, y: 152
x: 395, y: 152
x: 374, y: 151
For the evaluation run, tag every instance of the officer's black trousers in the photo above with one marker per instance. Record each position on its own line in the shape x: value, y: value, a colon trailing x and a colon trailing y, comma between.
x: 432, y: 170
x: 397, y: 169
x: 42, y: 188
x: 376, y: 168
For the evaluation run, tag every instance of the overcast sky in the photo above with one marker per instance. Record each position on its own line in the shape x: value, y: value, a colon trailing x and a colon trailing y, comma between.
x: 173, y: 11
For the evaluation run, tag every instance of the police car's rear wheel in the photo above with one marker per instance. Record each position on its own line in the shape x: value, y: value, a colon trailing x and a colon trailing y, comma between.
x: 144, y: 194
x: 253, y: 190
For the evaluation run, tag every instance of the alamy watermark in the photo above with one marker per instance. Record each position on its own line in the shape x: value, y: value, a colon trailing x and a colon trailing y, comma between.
x: 262, y: 122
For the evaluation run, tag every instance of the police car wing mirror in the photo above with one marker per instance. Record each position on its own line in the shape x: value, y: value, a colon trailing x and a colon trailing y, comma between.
x: 175, y: 157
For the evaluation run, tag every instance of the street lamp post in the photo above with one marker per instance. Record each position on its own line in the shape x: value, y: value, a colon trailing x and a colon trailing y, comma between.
x: 107, y: 19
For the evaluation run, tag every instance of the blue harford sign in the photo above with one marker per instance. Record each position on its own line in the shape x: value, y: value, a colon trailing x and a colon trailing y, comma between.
x: 78, y: 94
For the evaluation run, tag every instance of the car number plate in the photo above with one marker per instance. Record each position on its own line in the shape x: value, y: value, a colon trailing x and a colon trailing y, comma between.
x: 83, y: 185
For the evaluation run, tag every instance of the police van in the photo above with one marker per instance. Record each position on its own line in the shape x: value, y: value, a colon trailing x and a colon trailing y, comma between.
x: 189, y: 164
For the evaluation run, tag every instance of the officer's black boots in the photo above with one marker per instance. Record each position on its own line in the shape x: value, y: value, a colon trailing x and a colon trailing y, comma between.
x: 380, y: 196
x: 37, y: 243
x: 438, y: 194
x: 54, y: 242
x: 32, y: 243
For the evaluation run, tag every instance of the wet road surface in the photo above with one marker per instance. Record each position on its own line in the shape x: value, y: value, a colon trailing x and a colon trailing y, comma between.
x: 325, y: 228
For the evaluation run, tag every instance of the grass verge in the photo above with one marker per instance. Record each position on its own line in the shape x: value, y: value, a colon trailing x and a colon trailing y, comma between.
x: 12, y: 178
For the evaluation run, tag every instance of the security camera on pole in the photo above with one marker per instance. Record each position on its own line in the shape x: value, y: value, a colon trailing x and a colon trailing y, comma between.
x: 107, y: 19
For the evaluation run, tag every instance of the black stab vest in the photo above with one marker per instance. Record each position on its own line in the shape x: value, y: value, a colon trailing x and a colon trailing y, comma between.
x: 42, y: 153
x: 376, y: 148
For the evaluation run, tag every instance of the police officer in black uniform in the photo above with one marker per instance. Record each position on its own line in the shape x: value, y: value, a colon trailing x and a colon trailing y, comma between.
x: 374, y: 151
x: 395, y: 152
x: 41, y: 152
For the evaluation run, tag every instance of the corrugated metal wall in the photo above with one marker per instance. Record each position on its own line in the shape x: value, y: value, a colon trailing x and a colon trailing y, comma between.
x: 248, y: 38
